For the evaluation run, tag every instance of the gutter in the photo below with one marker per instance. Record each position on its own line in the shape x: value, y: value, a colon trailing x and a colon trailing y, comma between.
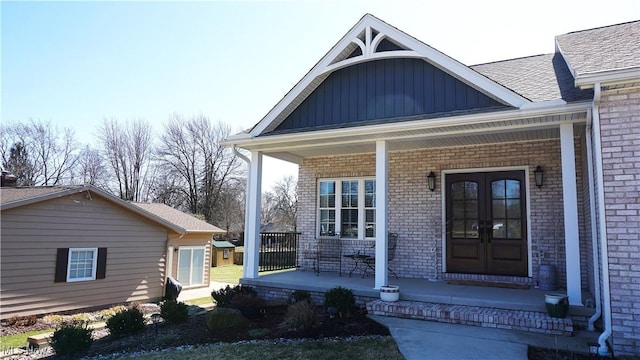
x: 603, y: 350
x: 245, y: 254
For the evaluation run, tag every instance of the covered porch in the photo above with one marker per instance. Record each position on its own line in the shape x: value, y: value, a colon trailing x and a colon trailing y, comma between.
x: 441, y: 301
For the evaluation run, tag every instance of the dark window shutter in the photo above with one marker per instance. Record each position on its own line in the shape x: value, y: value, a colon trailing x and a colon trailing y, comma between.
x: 101, y: 271
x: 61, y: 264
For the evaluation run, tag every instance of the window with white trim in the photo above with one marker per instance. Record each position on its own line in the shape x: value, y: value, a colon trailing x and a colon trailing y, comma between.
x: 82, y: 264
x: 347, y: 205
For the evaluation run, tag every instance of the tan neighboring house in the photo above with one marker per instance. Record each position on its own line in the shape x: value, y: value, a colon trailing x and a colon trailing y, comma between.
x: 72, y: 247
x: 189, y: 252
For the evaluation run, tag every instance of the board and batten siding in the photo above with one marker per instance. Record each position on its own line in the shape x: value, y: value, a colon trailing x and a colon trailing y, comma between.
x: 31, y: 235
x: 385, y: 89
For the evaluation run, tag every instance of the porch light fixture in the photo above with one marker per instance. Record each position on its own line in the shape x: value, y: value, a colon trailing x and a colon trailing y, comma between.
x: 431, y: 181
x: 538, y: 172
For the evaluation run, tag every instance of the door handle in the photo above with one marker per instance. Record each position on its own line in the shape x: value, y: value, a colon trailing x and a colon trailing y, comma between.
x: 489, y: 231
x: 481, y: 231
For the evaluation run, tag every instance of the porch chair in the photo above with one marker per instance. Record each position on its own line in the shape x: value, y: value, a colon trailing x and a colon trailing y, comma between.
x: 391, y: 253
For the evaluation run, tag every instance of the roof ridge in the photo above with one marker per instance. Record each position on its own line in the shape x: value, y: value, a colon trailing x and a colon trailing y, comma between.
x: 600, y: 27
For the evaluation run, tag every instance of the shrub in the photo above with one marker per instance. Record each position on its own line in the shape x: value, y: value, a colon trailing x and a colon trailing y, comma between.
x: 174, y: 312
x: 225, y: 318
x: 71, y: 338
x: 249, y: 304
x: 298, y: 296
x: 301, y: 316
x: 27, y: 320
x: 126, y: 322
x: 223, y: 297
x: 341, y: 299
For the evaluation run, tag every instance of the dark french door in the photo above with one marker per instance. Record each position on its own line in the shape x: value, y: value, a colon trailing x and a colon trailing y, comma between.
x: 486, y: 223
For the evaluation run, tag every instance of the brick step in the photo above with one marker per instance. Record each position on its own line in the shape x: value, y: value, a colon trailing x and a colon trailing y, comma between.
x: 520, y: 320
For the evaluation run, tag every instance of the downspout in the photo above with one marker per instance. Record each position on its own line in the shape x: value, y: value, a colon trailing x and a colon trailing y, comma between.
x: 603, y: 350
x: 594, y: 225
x: 245, y: 255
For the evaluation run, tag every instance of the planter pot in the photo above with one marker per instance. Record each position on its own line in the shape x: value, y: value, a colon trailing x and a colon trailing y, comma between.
x: 557, y: 305
x: 389, y: 293
x: 547, y: 277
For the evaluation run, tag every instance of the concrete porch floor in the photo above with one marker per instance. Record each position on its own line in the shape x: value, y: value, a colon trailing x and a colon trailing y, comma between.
x: 418, y: 290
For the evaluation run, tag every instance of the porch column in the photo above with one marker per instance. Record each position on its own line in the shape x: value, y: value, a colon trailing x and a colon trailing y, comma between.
x: 382, y: 226
x: 570, y: 203
x: 252, y: 221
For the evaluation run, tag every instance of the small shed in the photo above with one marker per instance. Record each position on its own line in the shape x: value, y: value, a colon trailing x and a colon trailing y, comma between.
x: 222, y: 254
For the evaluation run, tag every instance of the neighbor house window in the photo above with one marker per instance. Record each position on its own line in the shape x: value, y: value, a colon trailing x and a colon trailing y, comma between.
x: 225, y: 253
x: 347, y: 205
x: 80, y: 264
x: 191, y: 265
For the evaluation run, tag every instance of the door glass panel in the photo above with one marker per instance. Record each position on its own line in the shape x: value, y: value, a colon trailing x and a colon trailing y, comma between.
x: 498, y: 190
x: 184, y: 266
x: 197, y: 267
x: 513, y: 208
x: 464, y: 209
x: 513, y: 189
x: 514, y: 229
x: 506, y: 209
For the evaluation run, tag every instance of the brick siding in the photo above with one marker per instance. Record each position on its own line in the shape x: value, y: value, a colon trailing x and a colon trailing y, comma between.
x: 415, y: 213
x: 620, y: 136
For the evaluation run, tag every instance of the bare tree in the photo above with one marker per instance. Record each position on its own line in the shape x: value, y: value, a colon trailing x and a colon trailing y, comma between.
x: 193, y: 158
x: 127, y: 148
x: 91, y: 167
x: 280, y: 205
x: 45, y: 155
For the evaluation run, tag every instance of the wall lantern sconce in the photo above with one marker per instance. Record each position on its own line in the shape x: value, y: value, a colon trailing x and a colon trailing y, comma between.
x: 538, y: 173
x: 431, y: 181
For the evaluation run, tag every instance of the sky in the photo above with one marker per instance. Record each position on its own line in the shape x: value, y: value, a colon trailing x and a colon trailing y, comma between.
x: 76, y: 64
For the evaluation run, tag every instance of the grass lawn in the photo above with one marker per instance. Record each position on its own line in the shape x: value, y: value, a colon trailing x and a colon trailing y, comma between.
x: 367, y: 348
x: 228, y: 274
x: 200, y: 301
x: 19, y: 340
x: 232, y: 273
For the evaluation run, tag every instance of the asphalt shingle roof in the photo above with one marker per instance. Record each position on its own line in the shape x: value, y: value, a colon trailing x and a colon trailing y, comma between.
x: 186, y: 221
x: 537, y: 78
x: 600, y: 49
x: 11, y: 194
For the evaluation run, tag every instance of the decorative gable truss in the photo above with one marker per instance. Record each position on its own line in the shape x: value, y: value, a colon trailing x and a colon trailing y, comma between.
x: 369, y: 40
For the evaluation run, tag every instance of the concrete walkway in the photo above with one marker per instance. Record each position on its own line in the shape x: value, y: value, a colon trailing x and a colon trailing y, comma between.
x: 190, y: 294
x: 419, y: 340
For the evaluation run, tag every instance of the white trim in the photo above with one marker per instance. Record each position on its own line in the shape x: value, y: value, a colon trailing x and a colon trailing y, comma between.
x: 94, y: 265
x: 254, y: 198
x: 443, y: 190
x: 169, y: 270
x: 298, y: 139
x: 570, y: 205
x: 382, y: 214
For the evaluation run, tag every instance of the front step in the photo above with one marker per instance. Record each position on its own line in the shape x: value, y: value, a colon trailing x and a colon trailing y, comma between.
x: 521, y: 320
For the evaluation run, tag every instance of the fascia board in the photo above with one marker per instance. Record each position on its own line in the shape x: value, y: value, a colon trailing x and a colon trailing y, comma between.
x: 608, y: 77
x: 543, y: 109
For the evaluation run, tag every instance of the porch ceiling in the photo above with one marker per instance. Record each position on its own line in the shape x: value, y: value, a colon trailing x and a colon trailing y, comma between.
x: 414, y: 135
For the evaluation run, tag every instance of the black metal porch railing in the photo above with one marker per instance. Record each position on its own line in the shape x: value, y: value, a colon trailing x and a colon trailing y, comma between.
x: 278, y: 251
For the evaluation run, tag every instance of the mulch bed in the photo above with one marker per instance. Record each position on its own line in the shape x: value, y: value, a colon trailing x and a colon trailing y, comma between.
x: 195, y: 332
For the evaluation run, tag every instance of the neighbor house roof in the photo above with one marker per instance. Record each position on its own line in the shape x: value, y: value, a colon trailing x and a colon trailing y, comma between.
x: 223, y: 244
x: 190, y: 223
x: 11, y: 197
